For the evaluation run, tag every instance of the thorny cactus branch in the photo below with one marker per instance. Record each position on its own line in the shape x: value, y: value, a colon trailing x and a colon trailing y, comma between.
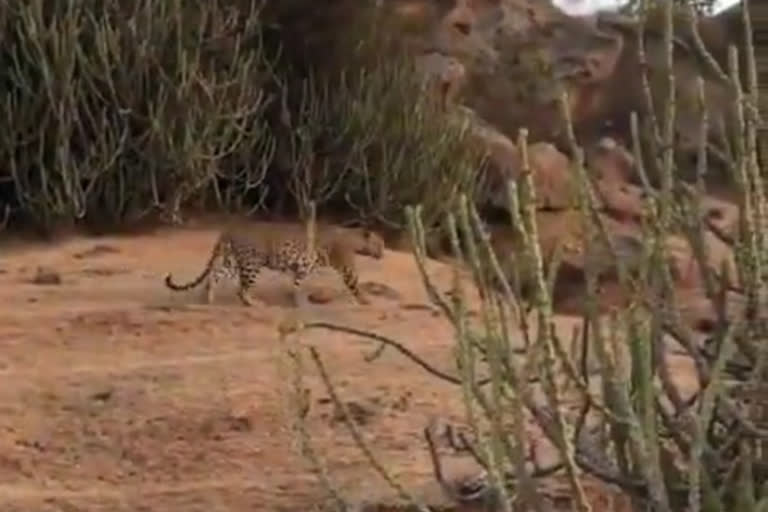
x: 640, y: 399
x: 416, y: 232
x: 545, y: 324
x: 299, y: 406
x: 383, y: 340
x: 311, y: 226
x: 615, y: 384
x: 700, y: 424
x: 358, y: 437
x: 701, y: 49
x: 469, y: 491
x: 296, y: 327
x: 466, y: 361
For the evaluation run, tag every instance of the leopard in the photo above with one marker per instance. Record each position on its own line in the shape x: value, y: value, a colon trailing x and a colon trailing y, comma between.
x: 240, y: 255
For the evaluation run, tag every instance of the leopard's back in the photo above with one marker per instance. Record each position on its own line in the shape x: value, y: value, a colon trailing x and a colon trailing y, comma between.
x: 334, y: 247
x: 293, y: 254
x: 245, y: 253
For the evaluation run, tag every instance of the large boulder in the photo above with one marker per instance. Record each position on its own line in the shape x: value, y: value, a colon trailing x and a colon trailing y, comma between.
x: 518, y: 55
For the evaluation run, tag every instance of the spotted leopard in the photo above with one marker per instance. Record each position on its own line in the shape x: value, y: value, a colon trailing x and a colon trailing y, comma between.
x: 239, y: 255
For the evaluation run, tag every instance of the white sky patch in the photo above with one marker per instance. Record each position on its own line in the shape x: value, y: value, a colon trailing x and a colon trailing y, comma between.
x: 584, y: 7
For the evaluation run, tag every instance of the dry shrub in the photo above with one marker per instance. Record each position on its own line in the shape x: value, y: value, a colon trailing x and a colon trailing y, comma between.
x: 355, y: 129
x: 113, y: 109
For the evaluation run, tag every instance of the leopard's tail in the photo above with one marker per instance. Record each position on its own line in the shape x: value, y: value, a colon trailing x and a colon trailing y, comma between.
x: 220, y: 244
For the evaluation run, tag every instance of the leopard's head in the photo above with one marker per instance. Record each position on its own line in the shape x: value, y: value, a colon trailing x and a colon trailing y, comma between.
x: 372, y: 244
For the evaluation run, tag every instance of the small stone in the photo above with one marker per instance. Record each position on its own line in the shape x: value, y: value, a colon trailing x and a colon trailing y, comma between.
x: 46, y: 276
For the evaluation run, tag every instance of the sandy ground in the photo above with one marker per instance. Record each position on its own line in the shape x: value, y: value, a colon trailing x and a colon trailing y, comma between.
x: 117, y: 394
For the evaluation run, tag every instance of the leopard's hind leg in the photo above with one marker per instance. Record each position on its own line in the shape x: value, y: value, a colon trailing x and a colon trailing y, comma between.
x: 223, y: 266
x: 248, y: 270
x: 300, y: 299
x: 220, y: 268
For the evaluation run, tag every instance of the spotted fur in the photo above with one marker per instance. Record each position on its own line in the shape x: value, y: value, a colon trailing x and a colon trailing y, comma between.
x: 241, y: 256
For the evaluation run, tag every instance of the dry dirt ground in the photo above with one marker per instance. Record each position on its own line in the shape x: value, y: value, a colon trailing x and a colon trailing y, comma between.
x: 117, y: 394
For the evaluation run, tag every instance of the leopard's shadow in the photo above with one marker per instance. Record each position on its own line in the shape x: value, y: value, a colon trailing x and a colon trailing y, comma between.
x: 270, y: 291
